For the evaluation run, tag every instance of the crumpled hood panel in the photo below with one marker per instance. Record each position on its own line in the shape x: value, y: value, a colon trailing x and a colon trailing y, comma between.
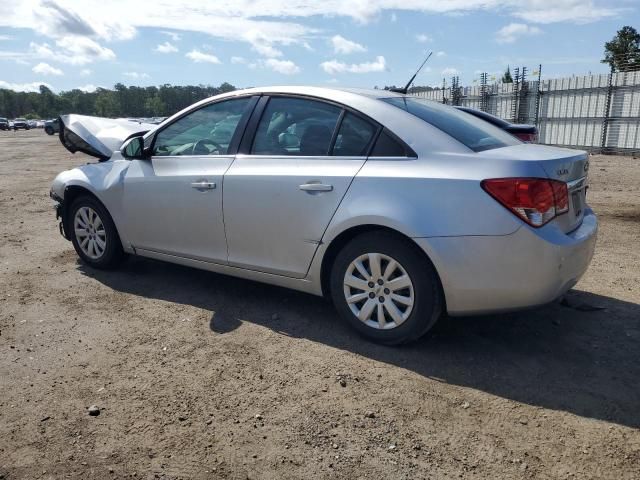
x: 97, y: 136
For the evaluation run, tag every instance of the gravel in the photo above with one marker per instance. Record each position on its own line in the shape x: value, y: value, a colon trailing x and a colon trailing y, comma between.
x: 571, y: 372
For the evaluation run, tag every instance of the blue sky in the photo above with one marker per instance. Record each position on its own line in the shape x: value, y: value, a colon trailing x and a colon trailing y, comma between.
x: 85, y: 43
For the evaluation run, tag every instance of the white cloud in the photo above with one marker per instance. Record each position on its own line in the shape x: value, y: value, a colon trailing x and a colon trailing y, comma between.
x: 46, y: 69
x: 89, y: 88
x: 136, y: 75
x: 440, y: 54
x: 173, y: 35
x: 266, y: 50
x: 166, y: 47
x: 5, y: 37
x: 73, y: 50
x: 423, y: 38
x: 200, y: 57
x: 238, y: 60
x: 572, y: 11
x: 286, y: 67
x: 342, y: 45
x: 85, y: 72
x: 24, y: 87
x: 450, y: 71
x: 510, y: 33
x: 334, y: 66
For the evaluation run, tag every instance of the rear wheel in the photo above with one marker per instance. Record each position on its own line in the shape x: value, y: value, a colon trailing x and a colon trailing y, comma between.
x: 386, y: 288
x: 93, y: 233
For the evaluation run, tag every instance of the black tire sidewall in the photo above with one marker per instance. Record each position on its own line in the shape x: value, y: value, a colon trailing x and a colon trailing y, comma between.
x: 427, y: 293
x: 113, y: 253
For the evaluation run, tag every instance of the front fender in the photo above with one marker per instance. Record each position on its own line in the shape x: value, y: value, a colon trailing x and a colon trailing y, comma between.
x: 103, y: 180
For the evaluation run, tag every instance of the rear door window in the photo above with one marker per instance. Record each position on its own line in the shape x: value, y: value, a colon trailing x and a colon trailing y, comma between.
x: 295, y: 126
x: 472, y: 132
x: 354, y: 136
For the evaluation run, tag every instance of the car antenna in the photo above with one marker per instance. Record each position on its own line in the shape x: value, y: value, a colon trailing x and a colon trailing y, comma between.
x: 406, y: 87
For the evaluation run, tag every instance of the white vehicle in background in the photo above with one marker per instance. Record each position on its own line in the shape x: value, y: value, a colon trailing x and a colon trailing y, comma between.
x: 20, y: 124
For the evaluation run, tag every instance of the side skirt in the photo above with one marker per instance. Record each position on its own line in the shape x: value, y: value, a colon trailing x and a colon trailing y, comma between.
x: 302, y: 285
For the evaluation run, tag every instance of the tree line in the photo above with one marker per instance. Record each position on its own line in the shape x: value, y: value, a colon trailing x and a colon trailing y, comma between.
x: 121, y: 101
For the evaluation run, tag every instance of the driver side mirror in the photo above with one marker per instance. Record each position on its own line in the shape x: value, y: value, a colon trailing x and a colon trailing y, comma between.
x: 133, y: 149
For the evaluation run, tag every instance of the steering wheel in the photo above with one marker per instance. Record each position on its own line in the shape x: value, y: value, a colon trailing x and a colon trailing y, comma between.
x: 200, y: 147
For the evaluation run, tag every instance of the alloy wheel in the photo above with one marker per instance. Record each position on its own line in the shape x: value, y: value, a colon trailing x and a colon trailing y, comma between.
x: 379, y: 291
x: 90, y: 232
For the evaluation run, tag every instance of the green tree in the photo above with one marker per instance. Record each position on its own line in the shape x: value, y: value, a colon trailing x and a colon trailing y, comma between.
x: 122, y: 101
x: 507, y: 78
x: 154, y: 107
x: 623, y: 51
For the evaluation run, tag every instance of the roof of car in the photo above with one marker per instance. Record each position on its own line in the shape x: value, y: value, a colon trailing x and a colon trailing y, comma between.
x: 320, y: 91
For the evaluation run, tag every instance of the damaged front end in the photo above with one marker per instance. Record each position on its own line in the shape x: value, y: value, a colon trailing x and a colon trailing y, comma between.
x: 97, y: 136
x: 59, y: 208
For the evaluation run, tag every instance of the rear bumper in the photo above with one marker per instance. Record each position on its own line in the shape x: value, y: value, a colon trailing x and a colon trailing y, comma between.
x: 530, y: 267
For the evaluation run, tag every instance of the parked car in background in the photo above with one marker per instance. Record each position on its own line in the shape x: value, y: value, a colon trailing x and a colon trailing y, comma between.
x: 526, y: 133
x: 32, y: 124
x: 20, y: 123
x: 397, y: 208
x: 4, y: 124
x: 52, y: 126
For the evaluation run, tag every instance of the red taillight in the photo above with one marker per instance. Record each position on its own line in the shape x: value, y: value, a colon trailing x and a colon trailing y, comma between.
x: 527, y: 137
x: 534, y: 200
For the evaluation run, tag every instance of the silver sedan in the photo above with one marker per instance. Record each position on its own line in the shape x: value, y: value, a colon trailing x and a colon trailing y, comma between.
x: 397, y: 208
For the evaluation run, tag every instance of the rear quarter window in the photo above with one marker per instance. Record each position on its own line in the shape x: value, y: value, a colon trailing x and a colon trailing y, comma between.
x: 387, y: 146
x: 474, y: 133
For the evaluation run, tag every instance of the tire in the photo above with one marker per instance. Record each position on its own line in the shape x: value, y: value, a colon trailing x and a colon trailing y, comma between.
x: 104, y: 255
x: 401, y: 322
x: 49, y: 131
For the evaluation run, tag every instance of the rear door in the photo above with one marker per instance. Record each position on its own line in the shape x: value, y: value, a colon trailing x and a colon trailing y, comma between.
x: 281, y: 193
x: 173, y: 201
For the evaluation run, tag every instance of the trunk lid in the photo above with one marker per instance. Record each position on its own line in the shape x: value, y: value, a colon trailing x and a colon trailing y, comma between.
x: 563, y: 164
x: 96, y: 136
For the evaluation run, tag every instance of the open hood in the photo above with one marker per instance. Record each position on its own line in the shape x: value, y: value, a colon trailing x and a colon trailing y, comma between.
x: 97, y: 136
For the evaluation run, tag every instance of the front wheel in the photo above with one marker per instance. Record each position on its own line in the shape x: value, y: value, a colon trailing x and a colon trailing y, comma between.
x: 385, y: 288
x: 93, y: 233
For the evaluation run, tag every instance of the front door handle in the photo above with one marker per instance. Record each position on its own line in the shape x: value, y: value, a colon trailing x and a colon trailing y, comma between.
x: 316, y: 187
x: 203, y: 185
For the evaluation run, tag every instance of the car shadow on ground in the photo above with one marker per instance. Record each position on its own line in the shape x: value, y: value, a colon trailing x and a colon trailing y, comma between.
x: 581, y: 357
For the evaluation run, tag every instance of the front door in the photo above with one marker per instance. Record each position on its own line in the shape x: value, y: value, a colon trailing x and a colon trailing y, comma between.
x: 281, y: 195
x: 173, y: 201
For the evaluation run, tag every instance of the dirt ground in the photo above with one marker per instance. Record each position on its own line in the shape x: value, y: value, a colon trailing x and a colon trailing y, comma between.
x: 199, y: 375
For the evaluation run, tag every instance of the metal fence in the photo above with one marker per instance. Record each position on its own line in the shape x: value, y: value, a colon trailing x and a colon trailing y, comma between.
x: 599, y: 113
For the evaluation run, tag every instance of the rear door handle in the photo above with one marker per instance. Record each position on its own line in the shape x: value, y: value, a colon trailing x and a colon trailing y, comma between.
x: 316, y: 187
x: 203, y: 185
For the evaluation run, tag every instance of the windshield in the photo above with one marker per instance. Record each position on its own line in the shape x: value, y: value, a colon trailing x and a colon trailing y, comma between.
x: 472, y: 132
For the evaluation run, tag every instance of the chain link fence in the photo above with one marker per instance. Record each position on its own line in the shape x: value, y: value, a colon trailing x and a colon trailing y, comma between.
x: 599, y: 113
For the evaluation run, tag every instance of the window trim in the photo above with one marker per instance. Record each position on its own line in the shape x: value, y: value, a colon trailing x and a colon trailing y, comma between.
x: 237, y: 134
x: 252, y: 127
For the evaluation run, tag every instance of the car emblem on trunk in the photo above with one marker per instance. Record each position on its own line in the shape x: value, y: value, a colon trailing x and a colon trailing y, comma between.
x: 562, y: 171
